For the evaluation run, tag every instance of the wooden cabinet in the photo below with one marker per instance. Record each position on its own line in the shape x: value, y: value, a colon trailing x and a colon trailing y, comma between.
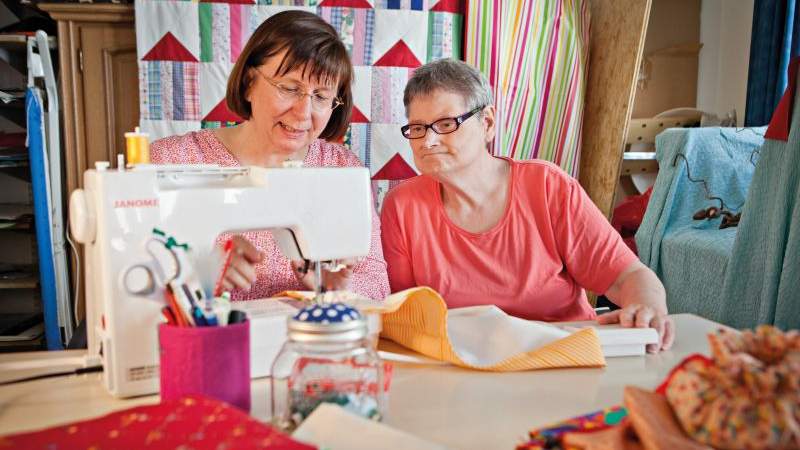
x: 99, y: 90
x: 99, y: 82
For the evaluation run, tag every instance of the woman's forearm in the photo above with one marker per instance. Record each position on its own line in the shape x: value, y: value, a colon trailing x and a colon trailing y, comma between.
x: 638, y: 285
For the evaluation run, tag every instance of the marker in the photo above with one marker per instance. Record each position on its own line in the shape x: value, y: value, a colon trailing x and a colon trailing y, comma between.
x: 177, y: 311
x: 236, y: 316
x: 222, y: 309
x: 183, y: 302
x: 169, y: 315
x: 228, y: 256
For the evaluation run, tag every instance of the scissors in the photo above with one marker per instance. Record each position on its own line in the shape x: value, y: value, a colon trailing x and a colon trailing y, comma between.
x: 170, y: 268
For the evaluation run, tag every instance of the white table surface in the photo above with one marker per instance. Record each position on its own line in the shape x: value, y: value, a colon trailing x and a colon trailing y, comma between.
x: 460, y: 408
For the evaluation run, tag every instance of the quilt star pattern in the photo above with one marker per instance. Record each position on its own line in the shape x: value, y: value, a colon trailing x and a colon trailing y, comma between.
x: 186, y: 50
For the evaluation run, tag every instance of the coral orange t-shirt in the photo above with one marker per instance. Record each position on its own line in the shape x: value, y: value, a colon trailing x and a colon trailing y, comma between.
x: 551, y: 242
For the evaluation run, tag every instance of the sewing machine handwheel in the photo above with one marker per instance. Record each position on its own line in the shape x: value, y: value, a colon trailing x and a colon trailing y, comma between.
x: 82, y: 221
x: 138, y: 280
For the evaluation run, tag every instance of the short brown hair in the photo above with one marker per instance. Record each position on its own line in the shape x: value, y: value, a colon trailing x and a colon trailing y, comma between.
x: 311, y: 44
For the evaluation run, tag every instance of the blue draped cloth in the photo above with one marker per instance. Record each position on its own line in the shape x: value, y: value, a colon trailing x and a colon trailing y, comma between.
x: 691, y: 257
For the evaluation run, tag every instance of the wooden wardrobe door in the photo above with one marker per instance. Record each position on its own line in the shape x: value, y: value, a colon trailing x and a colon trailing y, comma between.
x: 99, y: 82
x: 111, y: 95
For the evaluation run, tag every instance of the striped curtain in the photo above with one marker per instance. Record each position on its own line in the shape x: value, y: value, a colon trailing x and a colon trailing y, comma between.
x: 535, y: 54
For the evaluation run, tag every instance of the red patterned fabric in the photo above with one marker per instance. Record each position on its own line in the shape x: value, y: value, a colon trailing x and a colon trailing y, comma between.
x: 192, y: 422
x: 358, y: 117
x: 396, y: 169
x: 398, y: 56
x: 221, y: 113
x: 451, y: 6
x: 274, y: 273
x: 781, y: 120
x: 169, y: 48
x: 628, y: 217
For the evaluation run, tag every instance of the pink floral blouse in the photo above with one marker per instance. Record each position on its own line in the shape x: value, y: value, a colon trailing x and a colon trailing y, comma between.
x: 274, y: 273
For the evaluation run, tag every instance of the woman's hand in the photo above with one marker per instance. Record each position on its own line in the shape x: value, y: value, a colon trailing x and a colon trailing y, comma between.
x: 643, y: 300
x: 338, y: 280
x: 643, y: 316
x: 241, y: 273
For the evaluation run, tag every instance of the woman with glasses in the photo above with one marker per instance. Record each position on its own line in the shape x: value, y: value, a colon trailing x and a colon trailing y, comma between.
x: 483, y: 230
x: 291, y: 85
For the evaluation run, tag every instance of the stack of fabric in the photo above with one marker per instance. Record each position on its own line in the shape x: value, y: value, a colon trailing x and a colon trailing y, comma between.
x: 746, y: 396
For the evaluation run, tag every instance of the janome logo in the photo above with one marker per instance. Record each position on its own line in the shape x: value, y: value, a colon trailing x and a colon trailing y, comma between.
x: 136, y: 203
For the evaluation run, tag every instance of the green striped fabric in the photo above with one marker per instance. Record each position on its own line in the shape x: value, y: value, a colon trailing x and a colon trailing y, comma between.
x: 535, y: 54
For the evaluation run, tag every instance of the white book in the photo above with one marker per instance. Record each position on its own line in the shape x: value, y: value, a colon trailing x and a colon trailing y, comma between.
x: 616, y: 340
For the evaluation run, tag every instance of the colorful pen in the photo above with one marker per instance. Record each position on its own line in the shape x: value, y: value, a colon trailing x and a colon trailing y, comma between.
x: 228, y: 256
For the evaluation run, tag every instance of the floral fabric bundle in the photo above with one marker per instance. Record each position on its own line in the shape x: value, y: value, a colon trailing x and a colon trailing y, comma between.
x: 747, y: 396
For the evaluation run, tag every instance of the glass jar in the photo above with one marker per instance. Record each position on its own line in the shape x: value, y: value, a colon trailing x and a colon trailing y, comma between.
x: 327, y: 358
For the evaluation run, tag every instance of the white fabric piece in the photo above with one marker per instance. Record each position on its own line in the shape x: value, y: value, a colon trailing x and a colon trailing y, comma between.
x: 485, y: 335
x: 214, y: 81
x: 179, y: 18
x: 362, y: 90
x: 263, y: 12
x: 397, y: 24
x: 331, y: 427
x: 387, y: 141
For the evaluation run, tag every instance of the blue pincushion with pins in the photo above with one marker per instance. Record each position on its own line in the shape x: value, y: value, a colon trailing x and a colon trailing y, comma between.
x: 328, y: 313
x: 327, y: 358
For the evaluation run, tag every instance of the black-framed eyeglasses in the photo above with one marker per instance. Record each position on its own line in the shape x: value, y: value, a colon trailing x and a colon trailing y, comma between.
x: 291, y: 93
x: 441, y: 126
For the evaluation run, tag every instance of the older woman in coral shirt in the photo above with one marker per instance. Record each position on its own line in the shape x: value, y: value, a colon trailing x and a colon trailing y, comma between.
x: 486, y: 230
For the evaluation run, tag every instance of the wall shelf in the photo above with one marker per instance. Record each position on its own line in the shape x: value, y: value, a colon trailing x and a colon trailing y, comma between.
x: 20, y: 40
x: 29, y: 282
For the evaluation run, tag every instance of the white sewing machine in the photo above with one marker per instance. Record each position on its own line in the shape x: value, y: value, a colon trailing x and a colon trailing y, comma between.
x: 317, y: 214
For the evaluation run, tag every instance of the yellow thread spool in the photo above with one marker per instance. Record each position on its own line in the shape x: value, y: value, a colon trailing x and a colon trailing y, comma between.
x: 137, y: 147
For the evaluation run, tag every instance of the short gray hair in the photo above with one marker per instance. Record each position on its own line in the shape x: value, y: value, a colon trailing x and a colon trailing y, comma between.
x: 451, y: 76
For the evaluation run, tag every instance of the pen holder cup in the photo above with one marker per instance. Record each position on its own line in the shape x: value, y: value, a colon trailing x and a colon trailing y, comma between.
x: 210, y: 361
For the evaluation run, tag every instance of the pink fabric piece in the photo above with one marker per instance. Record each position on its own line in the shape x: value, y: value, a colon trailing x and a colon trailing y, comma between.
x: 359, y: 38
x: 551, y: 242
x: 398, y: 56
x: 236, y: 31
x: 191, y: 96
x: 274, y: 273
x: 210, y: 361
x: 169, y: 48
